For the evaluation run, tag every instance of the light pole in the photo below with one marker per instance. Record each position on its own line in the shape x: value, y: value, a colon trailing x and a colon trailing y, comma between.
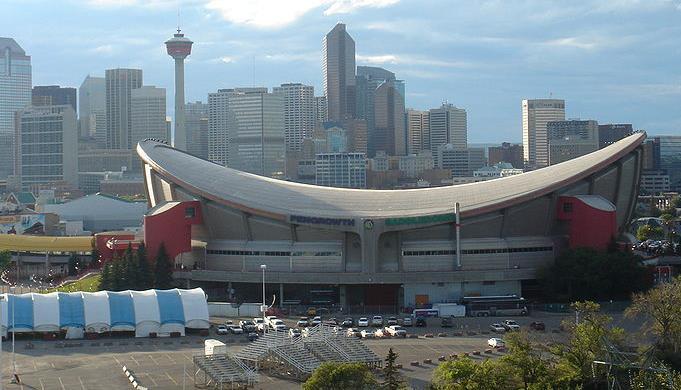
x: 2, y: 298
x: 14, y: 361
x: 263, y: 267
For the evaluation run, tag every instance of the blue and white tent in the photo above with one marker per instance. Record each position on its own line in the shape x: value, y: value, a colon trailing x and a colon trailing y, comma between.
x: 144, y: 312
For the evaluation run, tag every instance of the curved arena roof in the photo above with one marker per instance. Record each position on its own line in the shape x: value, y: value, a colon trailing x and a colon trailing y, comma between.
x: 278, y: 198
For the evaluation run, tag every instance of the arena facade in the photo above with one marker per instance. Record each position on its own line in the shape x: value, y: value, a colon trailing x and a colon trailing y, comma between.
x: 388, y: 247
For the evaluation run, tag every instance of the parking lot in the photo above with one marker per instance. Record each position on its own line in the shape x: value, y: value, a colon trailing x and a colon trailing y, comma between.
x: 160, y: 363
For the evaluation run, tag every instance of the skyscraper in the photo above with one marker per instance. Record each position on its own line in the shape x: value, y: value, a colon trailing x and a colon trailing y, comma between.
x: 571, y: 139
x: 119, y: 86
x: 92, y: 109
x: 418, y: 131
x: 368, y: 79
x: 536, y: 114
x: 219, y: 117
x: 179, y: 47
x: 148, y: 114
x: 389, y: 132
x: 611, y: 133
x: 339, y: 73
x: 47, y: 146
x: 321, y: 109
x: 54, y: 95
x: 299, y: 113
x: 448, y: 125
x: 196, y: 123
x: 15, y: 84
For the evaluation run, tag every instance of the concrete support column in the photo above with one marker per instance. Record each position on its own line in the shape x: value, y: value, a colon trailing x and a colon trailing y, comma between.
x: 342, y: 297
x: 281, y: 295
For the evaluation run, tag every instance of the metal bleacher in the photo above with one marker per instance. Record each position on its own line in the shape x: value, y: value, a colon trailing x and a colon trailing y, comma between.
x: 297, y: 357
x: 220, y: 371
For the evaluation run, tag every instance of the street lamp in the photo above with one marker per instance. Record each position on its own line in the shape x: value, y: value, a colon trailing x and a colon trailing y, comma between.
x: 14, y: 331
x: 263, y: 267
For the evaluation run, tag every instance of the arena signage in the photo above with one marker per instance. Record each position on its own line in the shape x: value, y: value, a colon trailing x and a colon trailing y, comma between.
x: 322, y: 220
x: 420, y: 220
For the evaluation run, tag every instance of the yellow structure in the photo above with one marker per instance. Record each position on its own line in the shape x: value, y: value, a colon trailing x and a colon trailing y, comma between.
x: 25, y: 243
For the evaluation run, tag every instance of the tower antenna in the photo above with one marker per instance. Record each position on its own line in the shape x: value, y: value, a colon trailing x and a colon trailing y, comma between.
x: 178, y: 16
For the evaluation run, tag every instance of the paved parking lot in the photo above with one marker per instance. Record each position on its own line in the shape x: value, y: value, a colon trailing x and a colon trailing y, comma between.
x: 160, y: 363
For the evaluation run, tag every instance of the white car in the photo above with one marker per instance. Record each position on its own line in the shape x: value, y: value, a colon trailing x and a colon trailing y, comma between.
x: 316, y: 321
x: 496, y: 342
x: 396, y: 331
x: 222, y: 329
x: 269, y: 319
x: 293, y: 332
x: 407, y: 321
x: 303, y: 322
x: 391, y: 321
x: 235, y: 329
x: 363, y: 322
x: 367, y: 334
x: 260, y: 325
x: 353, y: 332
x: 497, y: 328
x: 510, y: 325
x: 278, y: 324
x: 380, y: 333
x: 377, y: 321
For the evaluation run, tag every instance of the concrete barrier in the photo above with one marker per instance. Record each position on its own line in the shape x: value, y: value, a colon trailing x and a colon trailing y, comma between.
x: 441, y: 359
x: 488, y: 351
x: 415, y: 363
x: 428, y: 335
x: 442, y: 335
x: 453, y: 356
x: 476, y: 353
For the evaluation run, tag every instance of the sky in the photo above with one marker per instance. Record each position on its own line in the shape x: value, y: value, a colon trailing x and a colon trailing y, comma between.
x: 615, y: 61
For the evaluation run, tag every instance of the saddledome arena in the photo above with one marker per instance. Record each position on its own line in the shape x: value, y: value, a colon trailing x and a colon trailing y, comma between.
x: 324, y: 245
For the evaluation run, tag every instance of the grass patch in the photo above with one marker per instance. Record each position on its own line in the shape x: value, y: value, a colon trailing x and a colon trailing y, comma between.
x: 89, y: 284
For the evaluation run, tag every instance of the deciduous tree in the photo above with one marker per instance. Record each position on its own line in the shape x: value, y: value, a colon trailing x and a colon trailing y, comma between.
x: 341, y: 376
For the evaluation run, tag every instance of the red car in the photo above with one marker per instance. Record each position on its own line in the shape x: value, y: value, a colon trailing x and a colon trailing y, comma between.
x: 538, y: 325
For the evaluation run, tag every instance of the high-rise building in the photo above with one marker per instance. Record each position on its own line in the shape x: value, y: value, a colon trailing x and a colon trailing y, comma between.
x: 571, y: 139
x: 418, y: 131
x: 256, y: 132
x: 47, y: 146
x: 339, y: 73
x: 507, y: 152
x: 670, y: 158
x: 461, y: 161
x: 299, y: 113
x: 196, y: 124
x: 536, y: 114
x: 414, y: 164
x: 368, y: 79
x: 54, y: 95
x: 179, y: 47
x: 148, y: 114
x: 389, y: 132
x: 356, y: 131
x: 15, y: 94
x: 92, y: 109
x: 611, y: 133
x: 321, y: 109
x: 651, y: 154
x: 218, y: 126
x: 448, y: 125
x: 346, y: 170
x: 119, y: 86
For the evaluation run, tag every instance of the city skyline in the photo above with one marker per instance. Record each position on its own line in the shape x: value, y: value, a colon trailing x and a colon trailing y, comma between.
x: 469, y: 65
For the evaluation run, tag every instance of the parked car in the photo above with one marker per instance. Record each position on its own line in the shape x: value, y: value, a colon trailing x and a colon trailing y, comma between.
x: 406, y: 321
x: 331, y: 321
x: 396, y: 331
x: 421, y: 322
x: 446, y: 322
x: 367, y: 334
x: 391, y: 321
x: 247, y: 326
x: 229, y: 322
x: 293, y: 332
x: 377, y: 321
x: 222, y: 329
x: 510, y: 325
x: 496, y: 342
x: 278, y: 324
x: 259, y: 324
x: 269, y: 319
x: 538, y: 325
x: 303, y: 322
x: 252, y: 336
x: 316, y: 321
x: 347, y: 323
x: 497, y: 328
x: 235, y: 329
x: 381, y: 333
x: 353, y: 332
x: 363, y: 322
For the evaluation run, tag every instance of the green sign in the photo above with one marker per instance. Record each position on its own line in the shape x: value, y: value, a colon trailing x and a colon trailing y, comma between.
x: 420, y: 220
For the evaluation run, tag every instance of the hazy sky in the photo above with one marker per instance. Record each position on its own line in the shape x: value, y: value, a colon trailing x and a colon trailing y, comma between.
x: 611, y: 60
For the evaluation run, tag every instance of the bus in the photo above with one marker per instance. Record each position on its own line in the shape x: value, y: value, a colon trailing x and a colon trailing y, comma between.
x: 495, y: 305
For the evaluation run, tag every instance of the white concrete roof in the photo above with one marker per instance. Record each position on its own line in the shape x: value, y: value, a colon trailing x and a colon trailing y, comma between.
x: 278, y: 198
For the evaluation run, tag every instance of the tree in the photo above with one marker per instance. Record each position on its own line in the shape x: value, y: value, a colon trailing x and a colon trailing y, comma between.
x: 5, y: 260
x: 585, y: 343
x: 526, y: 359
x: 105, y: 280
x: 163, y: 271
x: 74, y: 265
x: 341, y: 376
x: 116, y: 275
x: 393, y: 379
x: 465, y: 374
x: 647, y: 232
x: 667, y: 221
x: 585, y: 273
x: 145, y: 276
x: 130, y: 270
x: 661, y: 308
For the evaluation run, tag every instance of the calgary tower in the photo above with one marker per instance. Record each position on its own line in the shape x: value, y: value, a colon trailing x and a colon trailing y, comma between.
x: 179, y: 47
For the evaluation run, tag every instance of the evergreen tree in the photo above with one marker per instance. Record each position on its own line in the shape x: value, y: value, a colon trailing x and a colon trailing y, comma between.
x: 73, y: 265
x: 145, y: 276
x: 116, y: 275
x: 163, y: 271
x: 105, y: 280
x: 393, y: 381
x: 130, y: 270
